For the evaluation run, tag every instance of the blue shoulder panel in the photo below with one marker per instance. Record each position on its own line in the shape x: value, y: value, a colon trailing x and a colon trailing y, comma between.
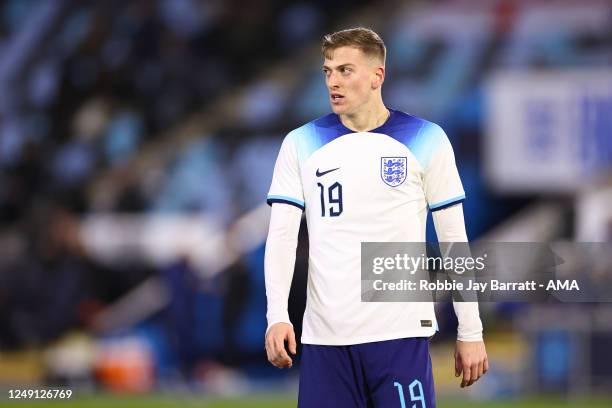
x: 420, y: 136
x: 316, y: 134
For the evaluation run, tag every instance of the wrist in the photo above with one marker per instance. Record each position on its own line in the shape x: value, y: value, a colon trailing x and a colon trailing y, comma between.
x: 470, y: 339
x: 287, y: 321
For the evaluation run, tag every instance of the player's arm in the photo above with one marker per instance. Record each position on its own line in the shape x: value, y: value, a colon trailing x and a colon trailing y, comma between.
x: 286, y: 197
x: 470, y: 353
x: 279, y: 265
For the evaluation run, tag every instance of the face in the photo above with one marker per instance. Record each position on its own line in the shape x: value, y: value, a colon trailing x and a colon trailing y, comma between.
x: 353, y: 79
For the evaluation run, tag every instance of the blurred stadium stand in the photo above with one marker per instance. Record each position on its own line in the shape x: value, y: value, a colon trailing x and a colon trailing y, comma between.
x: 137, y: 142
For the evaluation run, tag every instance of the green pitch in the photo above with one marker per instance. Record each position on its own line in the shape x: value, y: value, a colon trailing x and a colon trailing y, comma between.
x: 167, y: 401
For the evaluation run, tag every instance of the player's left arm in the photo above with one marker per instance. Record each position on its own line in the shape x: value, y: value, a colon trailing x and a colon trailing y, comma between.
x: 470, y: 353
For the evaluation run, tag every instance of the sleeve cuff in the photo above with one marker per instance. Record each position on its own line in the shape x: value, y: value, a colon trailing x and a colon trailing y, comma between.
x: 447, y: 203
x: 285, y: 200
x: 471, y: 339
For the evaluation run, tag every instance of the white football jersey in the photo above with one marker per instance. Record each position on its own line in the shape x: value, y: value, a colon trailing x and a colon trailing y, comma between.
x: 355, y: 187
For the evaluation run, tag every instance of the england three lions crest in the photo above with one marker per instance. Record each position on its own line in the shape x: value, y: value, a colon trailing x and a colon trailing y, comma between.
x: 393, y: 170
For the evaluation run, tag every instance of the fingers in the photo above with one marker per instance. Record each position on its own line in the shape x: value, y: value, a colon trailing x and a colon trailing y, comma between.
x: 471, y: 360
x: 282, y: 357
x: 467, y: 375
x: 480, y: 369
x: 271, y: 350
x: 473, y: 372
x: 458, y: 367
x: 292, y: 343
x: 275, y: 350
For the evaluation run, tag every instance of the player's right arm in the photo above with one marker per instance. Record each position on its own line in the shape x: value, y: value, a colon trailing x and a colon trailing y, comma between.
x: 279, y: 265
x: 287, y: 200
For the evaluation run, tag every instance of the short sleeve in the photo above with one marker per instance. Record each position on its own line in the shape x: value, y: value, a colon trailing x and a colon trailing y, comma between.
x: 286, y: 181
x: 442, y: 183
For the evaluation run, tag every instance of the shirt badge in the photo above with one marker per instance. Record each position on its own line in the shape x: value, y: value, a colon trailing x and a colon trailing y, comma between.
x: 393, y: 170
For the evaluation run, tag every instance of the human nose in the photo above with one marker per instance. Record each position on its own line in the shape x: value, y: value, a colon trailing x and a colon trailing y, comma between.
x: 332, y: 81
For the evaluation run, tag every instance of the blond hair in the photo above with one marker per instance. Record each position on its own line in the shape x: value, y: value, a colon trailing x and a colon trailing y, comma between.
x: 362, y: 38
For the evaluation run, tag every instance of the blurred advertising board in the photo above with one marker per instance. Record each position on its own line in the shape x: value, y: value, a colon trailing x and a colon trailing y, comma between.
x: 547, y: 131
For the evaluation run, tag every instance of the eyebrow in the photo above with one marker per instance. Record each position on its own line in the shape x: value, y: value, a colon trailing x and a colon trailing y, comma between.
x: 339, y: 66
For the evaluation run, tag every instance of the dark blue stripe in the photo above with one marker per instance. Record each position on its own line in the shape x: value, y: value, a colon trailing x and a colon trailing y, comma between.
x: 280, y: 200
x: 448, y: 205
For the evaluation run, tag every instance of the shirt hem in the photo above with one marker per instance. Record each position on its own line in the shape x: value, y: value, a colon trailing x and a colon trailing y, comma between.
x: 338, y: 341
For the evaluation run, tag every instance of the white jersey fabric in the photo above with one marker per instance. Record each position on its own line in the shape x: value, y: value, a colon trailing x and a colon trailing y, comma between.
x: 374, y: 186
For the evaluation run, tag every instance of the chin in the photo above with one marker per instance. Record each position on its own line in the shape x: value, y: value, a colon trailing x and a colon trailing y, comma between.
x: 338, y: 110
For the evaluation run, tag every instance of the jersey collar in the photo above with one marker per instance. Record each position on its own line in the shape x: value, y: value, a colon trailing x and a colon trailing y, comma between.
x: 381, y: 129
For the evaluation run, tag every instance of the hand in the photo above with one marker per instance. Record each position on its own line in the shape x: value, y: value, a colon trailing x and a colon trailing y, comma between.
x: 471, y: 359
x: 275, y: 345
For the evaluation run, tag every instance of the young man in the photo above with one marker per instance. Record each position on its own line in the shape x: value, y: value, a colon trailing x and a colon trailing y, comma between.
x: 335, y: 168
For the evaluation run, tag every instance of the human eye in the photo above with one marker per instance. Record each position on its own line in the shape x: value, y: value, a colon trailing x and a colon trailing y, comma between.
x: 346, y: 70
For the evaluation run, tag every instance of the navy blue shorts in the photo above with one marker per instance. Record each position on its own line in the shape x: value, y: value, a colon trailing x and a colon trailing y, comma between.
x: 387, y: 374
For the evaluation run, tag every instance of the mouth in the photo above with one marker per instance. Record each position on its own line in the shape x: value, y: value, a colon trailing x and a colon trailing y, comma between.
x: 336, y: 98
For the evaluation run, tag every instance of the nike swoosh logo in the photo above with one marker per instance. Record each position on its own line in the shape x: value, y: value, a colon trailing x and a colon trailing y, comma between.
x: 322, y: 173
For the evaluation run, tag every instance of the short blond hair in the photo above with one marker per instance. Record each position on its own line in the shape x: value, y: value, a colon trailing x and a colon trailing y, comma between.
x: 362, y: 38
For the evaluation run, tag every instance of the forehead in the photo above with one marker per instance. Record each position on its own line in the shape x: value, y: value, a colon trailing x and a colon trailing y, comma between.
x: 345, y: 55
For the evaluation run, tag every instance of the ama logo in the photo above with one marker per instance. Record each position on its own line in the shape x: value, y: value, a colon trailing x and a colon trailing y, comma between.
x: 393, y: 170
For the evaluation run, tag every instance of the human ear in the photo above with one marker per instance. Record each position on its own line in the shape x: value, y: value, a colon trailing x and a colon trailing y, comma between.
x: 379, y: 77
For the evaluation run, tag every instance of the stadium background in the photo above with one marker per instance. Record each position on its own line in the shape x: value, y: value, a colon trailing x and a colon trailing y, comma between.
x: 137, y: 141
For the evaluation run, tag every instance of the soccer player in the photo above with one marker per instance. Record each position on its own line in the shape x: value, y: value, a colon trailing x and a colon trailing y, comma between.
x: 362, y: 173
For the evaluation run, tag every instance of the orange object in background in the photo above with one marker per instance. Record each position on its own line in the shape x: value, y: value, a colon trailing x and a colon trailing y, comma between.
x: 125, y: 366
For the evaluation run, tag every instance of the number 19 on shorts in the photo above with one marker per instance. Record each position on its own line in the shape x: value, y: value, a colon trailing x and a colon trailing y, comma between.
x: 416, y: 394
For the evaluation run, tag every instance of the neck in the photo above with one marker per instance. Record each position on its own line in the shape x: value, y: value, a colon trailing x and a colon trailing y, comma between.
x: 367, y: 119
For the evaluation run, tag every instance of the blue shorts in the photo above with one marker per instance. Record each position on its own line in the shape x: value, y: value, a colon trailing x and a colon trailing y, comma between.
x: 392, y: 373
